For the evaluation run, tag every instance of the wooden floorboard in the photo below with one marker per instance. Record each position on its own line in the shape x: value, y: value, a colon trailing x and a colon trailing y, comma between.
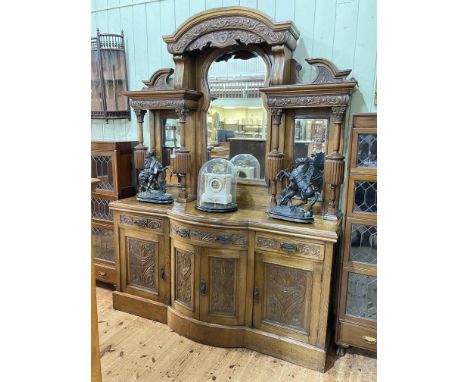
x: 137, y: 349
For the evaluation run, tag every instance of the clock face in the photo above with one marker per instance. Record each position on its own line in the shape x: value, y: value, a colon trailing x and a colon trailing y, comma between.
x: 216, y: 185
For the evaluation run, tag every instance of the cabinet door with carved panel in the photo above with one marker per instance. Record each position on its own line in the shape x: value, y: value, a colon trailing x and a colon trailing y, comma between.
x: 185, y: 262
x: 142, y: 264
x: 287, y: 296
x: 222, y: 286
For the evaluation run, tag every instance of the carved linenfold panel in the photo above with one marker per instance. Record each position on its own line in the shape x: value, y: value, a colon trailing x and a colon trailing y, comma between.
x: 141, y: 222
x: 285, y: 293
x: 223, y: 286
x: 289, y: 247
x: 243, y: 28
x: 309, y: 100
x: 208, y: 236
x: 184, y: 277
x: 142, y: 258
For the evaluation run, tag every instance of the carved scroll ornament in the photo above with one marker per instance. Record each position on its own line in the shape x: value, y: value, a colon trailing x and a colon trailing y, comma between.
x: 225, y: 31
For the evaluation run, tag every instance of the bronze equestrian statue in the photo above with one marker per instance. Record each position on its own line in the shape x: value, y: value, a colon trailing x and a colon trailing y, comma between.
x: 305, y: 181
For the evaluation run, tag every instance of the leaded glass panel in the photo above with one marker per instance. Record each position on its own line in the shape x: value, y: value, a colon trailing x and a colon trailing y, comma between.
x: 101, y: 168
x: 103, y: 243
x: 365, y: 196
x: 367, y: 150
x: 100, y: 209
x: 361, y: 300
x: 363, y: 243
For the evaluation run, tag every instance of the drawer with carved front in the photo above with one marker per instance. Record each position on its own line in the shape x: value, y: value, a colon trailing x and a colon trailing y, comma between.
x: 289, y: 245
x: 222, y: 238
x: 143, y: 222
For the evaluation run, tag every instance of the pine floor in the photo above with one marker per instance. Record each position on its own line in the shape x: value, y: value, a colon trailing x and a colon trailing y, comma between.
x: 137, y: 349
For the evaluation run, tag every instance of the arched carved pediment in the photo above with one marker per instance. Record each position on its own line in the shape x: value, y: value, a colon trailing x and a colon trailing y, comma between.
x: 327, y: 72
x: 160, y: 80
x: 222, y: 27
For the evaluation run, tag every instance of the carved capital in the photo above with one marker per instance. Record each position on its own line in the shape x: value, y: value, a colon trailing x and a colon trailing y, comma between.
x: 338, y: 113
x: 276, y: 115
x: 182, y: 114
x: 140, y: 114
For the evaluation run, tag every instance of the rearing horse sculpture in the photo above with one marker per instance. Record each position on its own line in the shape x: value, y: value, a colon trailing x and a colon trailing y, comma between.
x: 305, y: 180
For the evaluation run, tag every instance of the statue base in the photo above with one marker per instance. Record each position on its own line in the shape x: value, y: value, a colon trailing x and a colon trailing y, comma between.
x: 214, y: 207
x: 290, y: 213
x: 156, y: 197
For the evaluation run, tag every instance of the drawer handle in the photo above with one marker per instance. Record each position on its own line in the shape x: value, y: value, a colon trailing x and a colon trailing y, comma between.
x: 288, y: 247
x: 370, y: 340
x: 100, y: 273
x: 223, y: 239
x: 140, y: 222
x: 203, y: 287
x: 256, y: 294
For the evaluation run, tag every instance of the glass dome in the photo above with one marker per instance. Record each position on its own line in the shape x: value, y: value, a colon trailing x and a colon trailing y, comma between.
x: 217, y: 186
x: 246, y: 166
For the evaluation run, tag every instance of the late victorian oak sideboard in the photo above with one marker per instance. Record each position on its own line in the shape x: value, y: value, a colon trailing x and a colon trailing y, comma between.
x: 232, y: 280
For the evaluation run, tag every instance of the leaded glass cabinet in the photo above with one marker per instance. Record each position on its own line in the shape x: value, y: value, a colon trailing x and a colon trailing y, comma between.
x: 357, y: 305
x: 111, y: 163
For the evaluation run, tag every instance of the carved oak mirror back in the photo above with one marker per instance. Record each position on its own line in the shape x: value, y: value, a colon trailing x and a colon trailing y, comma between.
x: 298, y: 118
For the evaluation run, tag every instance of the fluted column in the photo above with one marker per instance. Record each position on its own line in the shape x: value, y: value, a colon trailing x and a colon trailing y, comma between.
x: 183, y: 156
x: 334, y: 166
x: 140, y: 149
x: 275, y: 158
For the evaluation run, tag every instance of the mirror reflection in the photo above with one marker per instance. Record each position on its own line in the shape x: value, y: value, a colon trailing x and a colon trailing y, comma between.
x: 170, y: 142
x: 236, y: 120
x: 310, y: 137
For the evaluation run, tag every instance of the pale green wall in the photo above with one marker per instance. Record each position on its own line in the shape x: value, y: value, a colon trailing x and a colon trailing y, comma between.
x: 343, y: 31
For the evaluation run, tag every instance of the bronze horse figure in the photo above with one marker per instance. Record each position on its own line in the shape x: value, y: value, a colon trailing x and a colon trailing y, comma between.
x: 304, y: 180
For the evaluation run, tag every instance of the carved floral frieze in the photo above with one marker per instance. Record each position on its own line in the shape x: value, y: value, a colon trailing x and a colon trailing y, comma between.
x: 225, y: 31
x: 308, y: 100
x: 157, y: 104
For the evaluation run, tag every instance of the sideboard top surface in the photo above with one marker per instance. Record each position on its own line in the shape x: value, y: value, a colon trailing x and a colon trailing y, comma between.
x: 252, y: 218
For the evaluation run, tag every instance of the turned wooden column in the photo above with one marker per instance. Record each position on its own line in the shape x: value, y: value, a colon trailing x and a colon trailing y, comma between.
x: 275, y: 159
x: 334, y: 166
x: 140, y: 149
x: 182, y: 162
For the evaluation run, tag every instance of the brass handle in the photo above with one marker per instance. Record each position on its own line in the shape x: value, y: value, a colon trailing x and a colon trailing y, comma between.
x: 370, y: 340
x: 102, y: 273
x: 288, y: 247
x: 203, y: 287
x: 140, y: 222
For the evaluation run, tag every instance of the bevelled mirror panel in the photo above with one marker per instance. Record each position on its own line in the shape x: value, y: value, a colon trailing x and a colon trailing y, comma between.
x: 236, y: 120
x: 361, y: 299
x: 170, y: 131
x: 310, y: 138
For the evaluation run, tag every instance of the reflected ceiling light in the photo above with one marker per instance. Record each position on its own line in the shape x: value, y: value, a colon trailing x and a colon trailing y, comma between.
x: 254, y: 107
x: 229, y: 107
